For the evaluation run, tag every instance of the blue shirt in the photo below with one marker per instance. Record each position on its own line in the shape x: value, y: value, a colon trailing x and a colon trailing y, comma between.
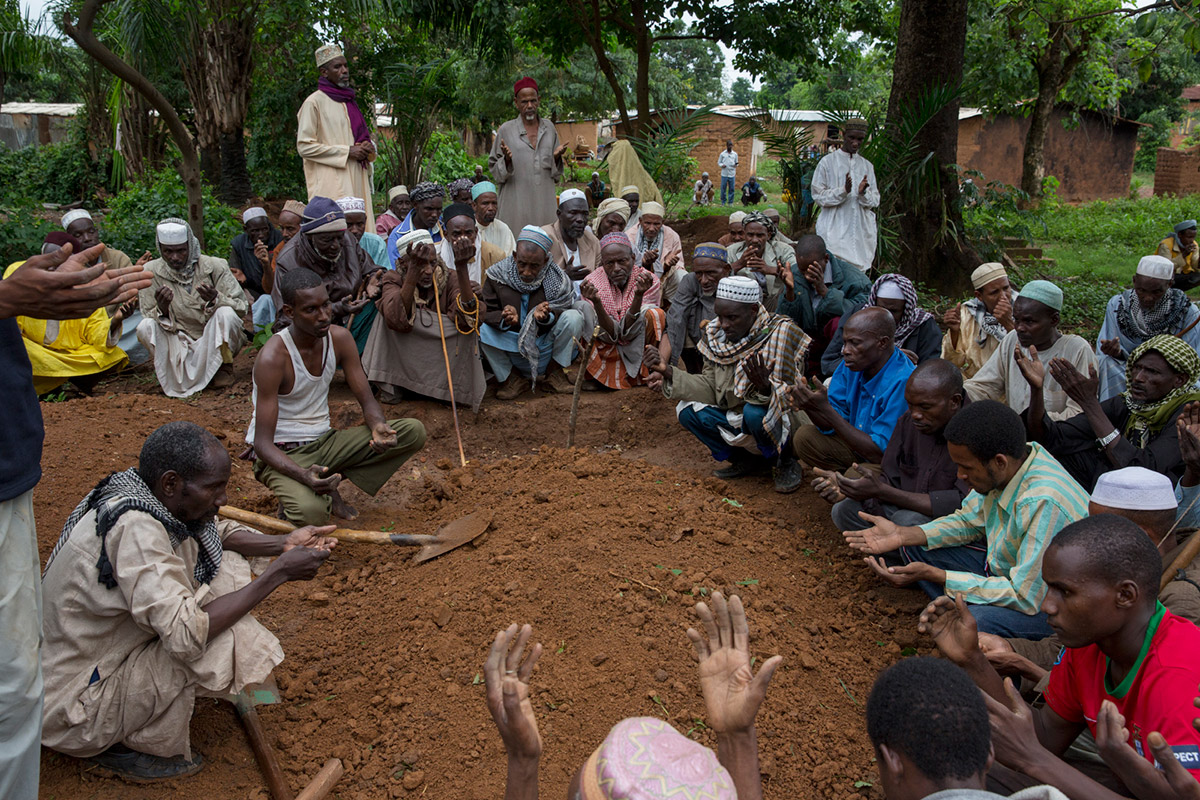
x: 404, y: 227
x: 873, y: 405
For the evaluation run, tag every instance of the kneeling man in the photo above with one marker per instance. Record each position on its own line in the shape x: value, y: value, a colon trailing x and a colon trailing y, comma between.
x: 147, y: 605
x: 299, y: 456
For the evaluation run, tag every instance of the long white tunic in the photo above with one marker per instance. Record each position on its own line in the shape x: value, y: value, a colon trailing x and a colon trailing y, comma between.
x: 527, y: 192
x: 847, y: 220
x: 1112, y: 371
x: 323, y: 139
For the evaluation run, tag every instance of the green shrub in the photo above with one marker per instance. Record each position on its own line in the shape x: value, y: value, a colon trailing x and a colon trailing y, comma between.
x: 55, y: 173
x: 447, y: 159
x: 1137, y: 224
x: 22, y: 231
x: 992, y: 212
x: 129, y: 223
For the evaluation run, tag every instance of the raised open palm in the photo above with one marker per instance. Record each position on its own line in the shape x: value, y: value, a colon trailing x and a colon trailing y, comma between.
x: 732, y: 692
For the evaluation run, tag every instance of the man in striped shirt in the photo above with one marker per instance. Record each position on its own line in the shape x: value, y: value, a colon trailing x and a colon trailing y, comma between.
x: 990, y: 550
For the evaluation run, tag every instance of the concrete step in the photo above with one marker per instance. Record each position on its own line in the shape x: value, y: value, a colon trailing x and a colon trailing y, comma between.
x: 1041, y: 262
x: 1023, y: 252
x: 1013, y: 241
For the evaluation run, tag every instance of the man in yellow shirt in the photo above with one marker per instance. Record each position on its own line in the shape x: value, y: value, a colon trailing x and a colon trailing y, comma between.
x: 1180, y: 247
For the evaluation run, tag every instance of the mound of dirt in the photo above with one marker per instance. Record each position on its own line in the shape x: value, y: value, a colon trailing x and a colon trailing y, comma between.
x: 699, y: 230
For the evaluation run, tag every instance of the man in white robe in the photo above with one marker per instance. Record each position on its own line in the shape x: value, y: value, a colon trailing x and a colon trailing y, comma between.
x: 844, y: 187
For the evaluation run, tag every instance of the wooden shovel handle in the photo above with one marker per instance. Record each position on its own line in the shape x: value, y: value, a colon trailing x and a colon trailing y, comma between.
x: 1187, y: 554
x: 263, y: 753
x: 265, y: 523
x: 323, y: 783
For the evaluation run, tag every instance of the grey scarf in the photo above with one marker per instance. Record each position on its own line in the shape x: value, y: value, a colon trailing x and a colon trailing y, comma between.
x: 560, y: 294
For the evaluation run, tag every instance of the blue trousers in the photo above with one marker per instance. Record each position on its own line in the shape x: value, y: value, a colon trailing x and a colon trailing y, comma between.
x: 706, y: 423
x: 1002, y: 621
x: 727, y: 183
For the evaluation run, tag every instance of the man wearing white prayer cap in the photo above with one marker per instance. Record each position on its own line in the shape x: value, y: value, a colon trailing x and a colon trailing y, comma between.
x: 1150, y: 308
x: 738, y: 406
x: 399, y: 204
x: 250, y: 252
x: 657, y: 247
x: 975, y: 327
x: 355, y: 209
x: 574, y: 246
x: 192, y: 311
x: 333, y: 136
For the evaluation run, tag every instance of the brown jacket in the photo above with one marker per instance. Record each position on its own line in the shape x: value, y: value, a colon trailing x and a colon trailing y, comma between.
x: 588, y: 244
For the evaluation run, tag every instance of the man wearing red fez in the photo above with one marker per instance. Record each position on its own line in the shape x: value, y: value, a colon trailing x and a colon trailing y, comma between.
x: 525, y: 161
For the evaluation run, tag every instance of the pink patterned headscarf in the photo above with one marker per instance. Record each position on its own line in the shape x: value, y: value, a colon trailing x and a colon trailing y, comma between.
x: 615, y: 237
x: 617, y: 302
x: 644, y: 758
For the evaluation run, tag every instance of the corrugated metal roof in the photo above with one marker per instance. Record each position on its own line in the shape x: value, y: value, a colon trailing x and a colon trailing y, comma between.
x: 1191, y: 93
x: 967, y: 113
x: 797, y: 115
x: 46, y: 109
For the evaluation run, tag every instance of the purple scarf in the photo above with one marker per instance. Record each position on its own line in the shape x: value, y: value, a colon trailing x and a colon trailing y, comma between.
x: 358, y: 125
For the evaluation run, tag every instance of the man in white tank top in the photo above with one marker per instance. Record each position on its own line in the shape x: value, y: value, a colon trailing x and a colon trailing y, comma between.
x: 299, y: 456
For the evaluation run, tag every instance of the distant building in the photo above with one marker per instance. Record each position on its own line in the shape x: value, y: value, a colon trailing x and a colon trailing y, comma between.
x: 33, y: 124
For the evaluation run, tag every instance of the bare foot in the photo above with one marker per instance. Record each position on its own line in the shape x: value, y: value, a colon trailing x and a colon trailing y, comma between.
x: 341, y: 509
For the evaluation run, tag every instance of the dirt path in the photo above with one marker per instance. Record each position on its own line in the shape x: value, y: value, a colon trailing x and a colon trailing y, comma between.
x: 603, y: 549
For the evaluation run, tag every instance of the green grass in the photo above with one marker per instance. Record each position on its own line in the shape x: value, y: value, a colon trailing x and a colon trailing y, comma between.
x: 1113, y: 263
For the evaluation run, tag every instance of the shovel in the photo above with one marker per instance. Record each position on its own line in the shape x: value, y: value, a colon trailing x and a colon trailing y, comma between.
x: 265, y: 693
x: 449, y: 536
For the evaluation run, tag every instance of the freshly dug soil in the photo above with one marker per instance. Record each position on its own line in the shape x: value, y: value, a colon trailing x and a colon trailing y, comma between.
x: 604, y: 549
x: 699, y: 230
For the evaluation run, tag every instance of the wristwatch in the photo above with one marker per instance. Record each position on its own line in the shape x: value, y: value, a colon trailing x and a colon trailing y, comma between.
x: 1109, y: 439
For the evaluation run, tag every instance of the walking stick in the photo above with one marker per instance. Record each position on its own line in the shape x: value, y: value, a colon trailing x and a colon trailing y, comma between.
x: 583, y: 362
x: 449, y: 379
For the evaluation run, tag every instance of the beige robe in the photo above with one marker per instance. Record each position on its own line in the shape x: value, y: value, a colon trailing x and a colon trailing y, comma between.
x: 588, y: 244
x: 969, y: 356
x: 323, y: 139
x: 527, y: 192
x: 124, y: 665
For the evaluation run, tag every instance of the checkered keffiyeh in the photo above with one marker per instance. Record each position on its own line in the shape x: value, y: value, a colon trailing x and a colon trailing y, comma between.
x: 1147, y: 419
x: 914, y: 316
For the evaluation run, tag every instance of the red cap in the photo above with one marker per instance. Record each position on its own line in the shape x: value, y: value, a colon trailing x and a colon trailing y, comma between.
x: 524, y: 83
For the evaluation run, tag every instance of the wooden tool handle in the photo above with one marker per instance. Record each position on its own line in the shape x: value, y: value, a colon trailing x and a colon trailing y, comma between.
x: 263, y: 753
x: 265, y: 523
x: 323, y: 783
x: 1187, y: 555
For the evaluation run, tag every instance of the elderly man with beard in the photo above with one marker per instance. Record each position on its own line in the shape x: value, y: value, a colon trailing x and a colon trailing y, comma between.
x: 658, y: 249
x: 694, y: 305
x: 573, y: 246
x: 148, y: 601
x: 612, y: 215
x: 404, y: 350
x: 461, y: 236
x: 356, y: 225
x: 760, y: 256
x: 975, y: 327
x: 485, y: 199
x: 530, y: 320
x: 326, y: 247
x: 427, y: 199
x: 399, y: 204
x: 526, y: 160
x: 332, y: 135
x: 249, y: 259
x: 738, y: 406
x: 1150, y: 308
x: 192, y: 314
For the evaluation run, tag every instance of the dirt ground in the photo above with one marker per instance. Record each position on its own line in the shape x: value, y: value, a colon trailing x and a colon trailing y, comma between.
x: 603, y: 549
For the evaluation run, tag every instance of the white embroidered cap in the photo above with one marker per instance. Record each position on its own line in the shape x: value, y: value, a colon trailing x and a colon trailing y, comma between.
x: 253, y: 212
x: 349, y: 204
x: 1135, y: 489
x: 171, y: 233
x: 74, y: 215
x: 1153, y: 267
x: 739, y: 289
x: 571, y: 194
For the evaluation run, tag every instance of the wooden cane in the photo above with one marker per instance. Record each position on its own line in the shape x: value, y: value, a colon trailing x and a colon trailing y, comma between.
x: 583, y: 362
x: 1183, y: 560
x: 263, y: 753
x: 462, y: 459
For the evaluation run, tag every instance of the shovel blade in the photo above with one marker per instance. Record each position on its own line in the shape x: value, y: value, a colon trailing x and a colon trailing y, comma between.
x: 455, y: 534
x: 256, y: 694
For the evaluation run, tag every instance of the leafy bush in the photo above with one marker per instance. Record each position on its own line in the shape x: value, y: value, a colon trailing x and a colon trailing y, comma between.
x: 1137, y: 224
x: 129, y: 224
x: 447, y: 159
x: 54, y: 173
x: 1151, y: 138
x: 993, y: 212
x: 22, y: 232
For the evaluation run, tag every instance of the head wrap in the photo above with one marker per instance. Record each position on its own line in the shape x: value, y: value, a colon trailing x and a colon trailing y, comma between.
x: 761, y: 219
x: 712, y: 250
x: 294, y: 206
x: 571, y: 194
x: 1045, y: 293
x: 326, y: 53
x: 414, y: 237
x: 457, y: 210
x: 631, y: 189
x: 653, y: 208
x: 349, y: 204
x: 535, y: 235
x: 1147, y: 418
x: 1135, y: 489
x: 460, y: 185
x: 60, y: 239
x: 74, y: 215
x: 643, y: 758
x: 1155, y: 267
x: 986, y: 273
x: 483, y: 187
x: 425, y: 190
x: 396, y: 191
x: 1186, y: 225
x: 322, y: 215
x: 175, y: 231
x: 890, y: 290
x: 703, y: 174
x: 737, y: 217
x: 253, y: 212
x: 613, y: 205
x: 524, y: 83
x: 616, y: 237
x: 913, y: 317
x: 739, y: 289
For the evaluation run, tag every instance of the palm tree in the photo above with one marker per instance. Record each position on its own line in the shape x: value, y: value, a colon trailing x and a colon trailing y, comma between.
x: 23, y: 47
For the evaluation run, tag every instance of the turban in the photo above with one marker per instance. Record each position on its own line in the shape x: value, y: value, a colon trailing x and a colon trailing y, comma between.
x: 739, y: 289
x: 253, y: 212
x: 1135, y: 489
x: 396, y: 191
x: 322, y: 215
x: 524, y: 83
x: 294, y: 206
x: 614, y: 205
x: 631, y: 189
x: 73, y: 216
x: 1045, y: 293
x: 535, y: 235
x: 643, y: 758
x: 483, y: 187
x: 1156, y: 267
x: 414, y: 237
x: 1186, y: 225
x: 761, y: 219
x: 616, y: 237
x: 736, y: 217
x: 458, y: 210
x: 571, y: 194
x: 171, y: 233
x: 653, y: 209
x: 327, y: 53
x: 349, y: 204
x: 986, y: 273
x: 711, y: 250
x: 426, y: 190
x: 456, y: 186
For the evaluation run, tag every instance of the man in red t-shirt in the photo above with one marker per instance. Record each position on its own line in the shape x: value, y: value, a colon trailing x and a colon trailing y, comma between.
x: 1130, y: 667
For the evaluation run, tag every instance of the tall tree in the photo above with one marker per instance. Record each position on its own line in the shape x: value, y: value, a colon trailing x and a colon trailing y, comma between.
x: 23, y: 48
x: 741, y: 91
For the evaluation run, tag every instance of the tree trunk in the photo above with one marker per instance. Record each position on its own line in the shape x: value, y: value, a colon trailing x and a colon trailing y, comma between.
x: 189, y: 168
x: 1054, y: 67
x: 210, y: 160
x: 644, y: 49
x: 143, y: 140
x: 235, y: 178
x: 929, y: 54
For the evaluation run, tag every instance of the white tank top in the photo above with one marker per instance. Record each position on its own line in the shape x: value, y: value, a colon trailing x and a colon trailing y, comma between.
x: 304, y: 411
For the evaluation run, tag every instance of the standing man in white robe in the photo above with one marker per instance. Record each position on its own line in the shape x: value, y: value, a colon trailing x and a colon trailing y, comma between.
x: 844, y: 187
x: 333, y: 138
x: 525, y: 161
